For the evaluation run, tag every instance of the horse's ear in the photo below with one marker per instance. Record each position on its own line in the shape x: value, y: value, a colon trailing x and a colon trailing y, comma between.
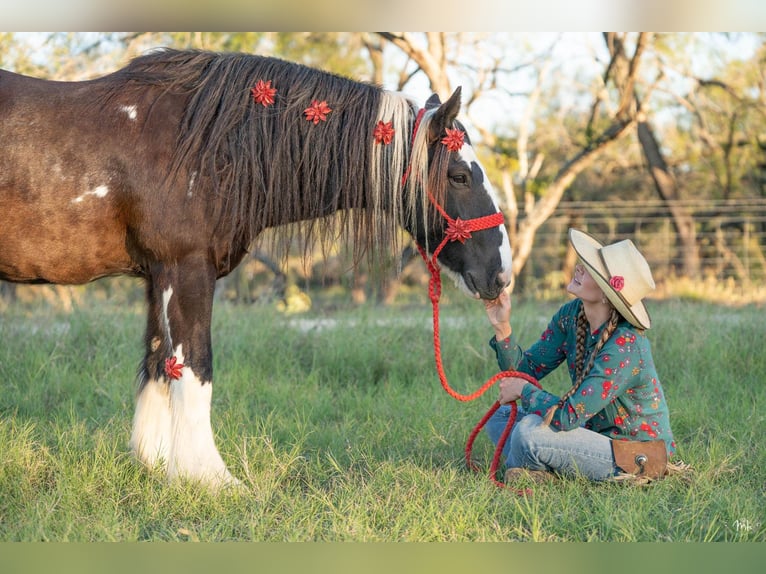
x: 444, y: 116
x: 433, y: 101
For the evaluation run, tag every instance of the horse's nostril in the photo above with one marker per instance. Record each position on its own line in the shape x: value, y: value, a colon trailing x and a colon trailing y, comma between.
x: 503, y: 279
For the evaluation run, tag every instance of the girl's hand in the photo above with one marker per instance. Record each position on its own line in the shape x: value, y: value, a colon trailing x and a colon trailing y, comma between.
x: 499, y: 315
x: 510, y: 389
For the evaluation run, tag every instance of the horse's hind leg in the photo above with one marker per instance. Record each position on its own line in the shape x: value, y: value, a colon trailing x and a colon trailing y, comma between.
x: 182, y: 364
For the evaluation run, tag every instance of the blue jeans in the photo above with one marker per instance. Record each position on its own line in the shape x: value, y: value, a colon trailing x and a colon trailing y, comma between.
x: 536, y: 447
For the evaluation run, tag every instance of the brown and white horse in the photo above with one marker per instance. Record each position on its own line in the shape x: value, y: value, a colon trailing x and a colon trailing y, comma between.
x: 171, y: 167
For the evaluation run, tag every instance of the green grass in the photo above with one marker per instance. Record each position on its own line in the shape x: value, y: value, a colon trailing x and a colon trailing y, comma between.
x: 343, y: 433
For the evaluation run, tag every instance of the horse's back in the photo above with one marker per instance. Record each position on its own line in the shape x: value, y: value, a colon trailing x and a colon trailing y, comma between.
x: 74, y: 159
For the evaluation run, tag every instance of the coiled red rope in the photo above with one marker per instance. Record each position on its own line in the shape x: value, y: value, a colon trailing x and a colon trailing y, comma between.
x: 503, y: 436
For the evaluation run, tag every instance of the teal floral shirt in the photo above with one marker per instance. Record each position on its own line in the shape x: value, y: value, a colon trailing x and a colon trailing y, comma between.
x: 621, y: 397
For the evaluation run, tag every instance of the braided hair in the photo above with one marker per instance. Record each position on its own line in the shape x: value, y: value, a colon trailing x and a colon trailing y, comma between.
x: 581, y: 370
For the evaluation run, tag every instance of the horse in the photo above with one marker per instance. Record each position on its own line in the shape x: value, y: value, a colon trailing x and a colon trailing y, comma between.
x: 171, y: 167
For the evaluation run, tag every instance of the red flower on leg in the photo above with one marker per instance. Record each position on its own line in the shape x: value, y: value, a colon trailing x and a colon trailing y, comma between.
x: 173, y: 368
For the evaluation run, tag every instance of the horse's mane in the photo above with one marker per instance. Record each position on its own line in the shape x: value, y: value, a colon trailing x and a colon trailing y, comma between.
x: 269, y: 165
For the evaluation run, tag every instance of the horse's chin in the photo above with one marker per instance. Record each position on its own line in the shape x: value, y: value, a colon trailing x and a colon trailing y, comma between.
x: 461, y: 284
x: 469, y: 289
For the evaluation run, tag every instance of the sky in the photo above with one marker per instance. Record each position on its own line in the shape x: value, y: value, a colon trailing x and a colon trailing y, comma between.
x: 334, y: 15
x: 575, y: 53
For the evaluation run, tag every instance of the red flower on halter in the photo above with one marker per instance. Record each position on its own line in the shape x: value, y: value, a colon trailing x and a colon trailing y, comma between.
x: 317, y: 111
x: 173, y: 368
x: 454, y: 139
x: 458, y: 230
x: 617, y: 282
x: 384, y: 132
x: 263, y: 93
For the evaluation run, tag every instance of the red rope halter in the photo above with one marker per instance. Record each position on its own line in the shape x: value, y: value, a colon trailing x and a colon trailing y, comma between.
x: 460, y: 230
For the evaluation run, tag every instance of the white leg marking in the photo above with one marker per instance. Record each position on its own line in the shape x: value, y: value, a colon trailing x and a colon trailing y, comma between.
x: 193, y: 453
x: 150, y: 440
x: 166, y: 295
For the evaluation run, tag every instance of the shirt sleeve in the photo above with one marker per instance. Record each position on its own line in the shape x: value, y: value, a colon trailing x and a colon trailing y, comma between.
x: 545, y: 354
x: 542, y: 357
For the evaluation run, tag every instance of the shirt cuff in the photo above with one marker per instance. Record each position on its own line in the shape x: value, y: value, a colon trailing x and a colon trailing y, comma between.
x: 526, y: 395
x: 507, y: 351
x: 503, y: 344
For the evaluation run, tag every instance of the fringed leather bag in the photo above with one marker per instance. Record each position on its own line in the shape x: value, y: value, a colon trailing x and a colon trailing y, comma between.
x: 644, y: 461
x: 647, y: 459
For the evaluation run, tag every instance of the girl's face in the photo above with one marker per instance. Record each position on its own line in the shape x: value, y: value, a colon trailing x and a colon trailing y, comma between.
x: 583, y: 286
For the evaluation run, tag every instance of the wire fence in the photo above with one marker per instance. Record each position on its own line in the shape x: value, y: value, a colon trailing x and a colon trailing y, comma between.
x: 729, y: 244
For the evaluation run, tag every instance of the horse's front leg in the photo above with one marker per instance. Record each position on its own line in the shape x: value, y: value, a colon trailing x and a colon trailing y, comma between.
x: 150, y: 440
x: 182, y: 359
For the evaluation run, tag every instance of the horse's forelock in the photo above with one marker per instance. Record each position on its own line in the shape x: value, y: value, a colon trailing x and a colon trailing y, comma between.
x: 418, y: 172
x: 437, y: 178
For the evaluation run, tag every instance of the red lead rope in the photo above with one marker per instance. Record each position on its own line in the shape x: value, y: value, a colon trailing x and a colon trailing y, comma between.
x: 459, y: 230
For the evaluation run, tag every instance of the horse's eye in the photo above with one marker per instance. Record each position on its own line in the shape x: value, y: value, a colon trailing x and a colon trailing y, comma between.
x: 460, y: 179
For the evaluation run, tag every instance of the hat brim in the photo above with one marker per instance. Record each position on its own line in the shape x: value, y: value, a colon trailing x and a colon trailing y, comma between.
x: 587, y: 249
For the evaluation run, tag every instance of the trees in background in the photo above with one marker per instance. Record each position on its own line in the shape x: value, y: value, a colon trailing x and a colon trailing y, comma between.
x: 624, y: 127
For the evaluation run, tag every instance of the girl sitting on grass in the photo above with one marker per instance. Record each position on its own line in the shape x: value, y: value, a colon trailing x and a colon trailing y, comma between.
x: 613, y: 421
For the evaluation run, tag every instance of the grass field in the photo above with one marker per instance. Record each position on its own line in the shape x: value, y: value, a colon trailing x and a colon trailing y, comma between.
x: 339, y: 429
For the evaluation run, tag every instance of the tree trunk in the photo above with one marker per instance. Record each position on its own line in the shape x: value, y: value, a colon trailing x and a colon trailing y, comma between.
x: 623, y: 74
x: 666, y: 186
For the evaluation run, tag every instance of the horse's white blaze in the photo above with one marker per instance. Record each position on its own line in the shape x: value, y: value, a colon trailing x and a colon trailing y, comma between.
x: 506, y: 274
x: 101, y: 191
x: 150, y: 440
x: 193, y: 453
x: 468, y: 155
x: 130, y: 111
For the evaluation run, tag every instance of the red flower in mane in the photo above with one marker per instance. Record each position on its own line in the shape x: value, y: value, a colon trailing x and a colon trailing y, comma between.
x: 384, y: 132
x: 454, y: 139
x: 317, y: 111
x: 263, y: 93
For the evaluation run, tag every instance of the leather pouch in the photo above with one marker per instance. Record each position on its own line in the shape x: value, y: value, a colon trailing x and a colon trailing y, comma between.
x: 641, y: 458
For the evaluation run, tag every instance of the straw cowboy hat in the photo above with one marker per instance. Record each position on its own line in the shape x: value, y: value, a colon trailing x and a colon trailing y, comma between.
x: 620, y: 271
